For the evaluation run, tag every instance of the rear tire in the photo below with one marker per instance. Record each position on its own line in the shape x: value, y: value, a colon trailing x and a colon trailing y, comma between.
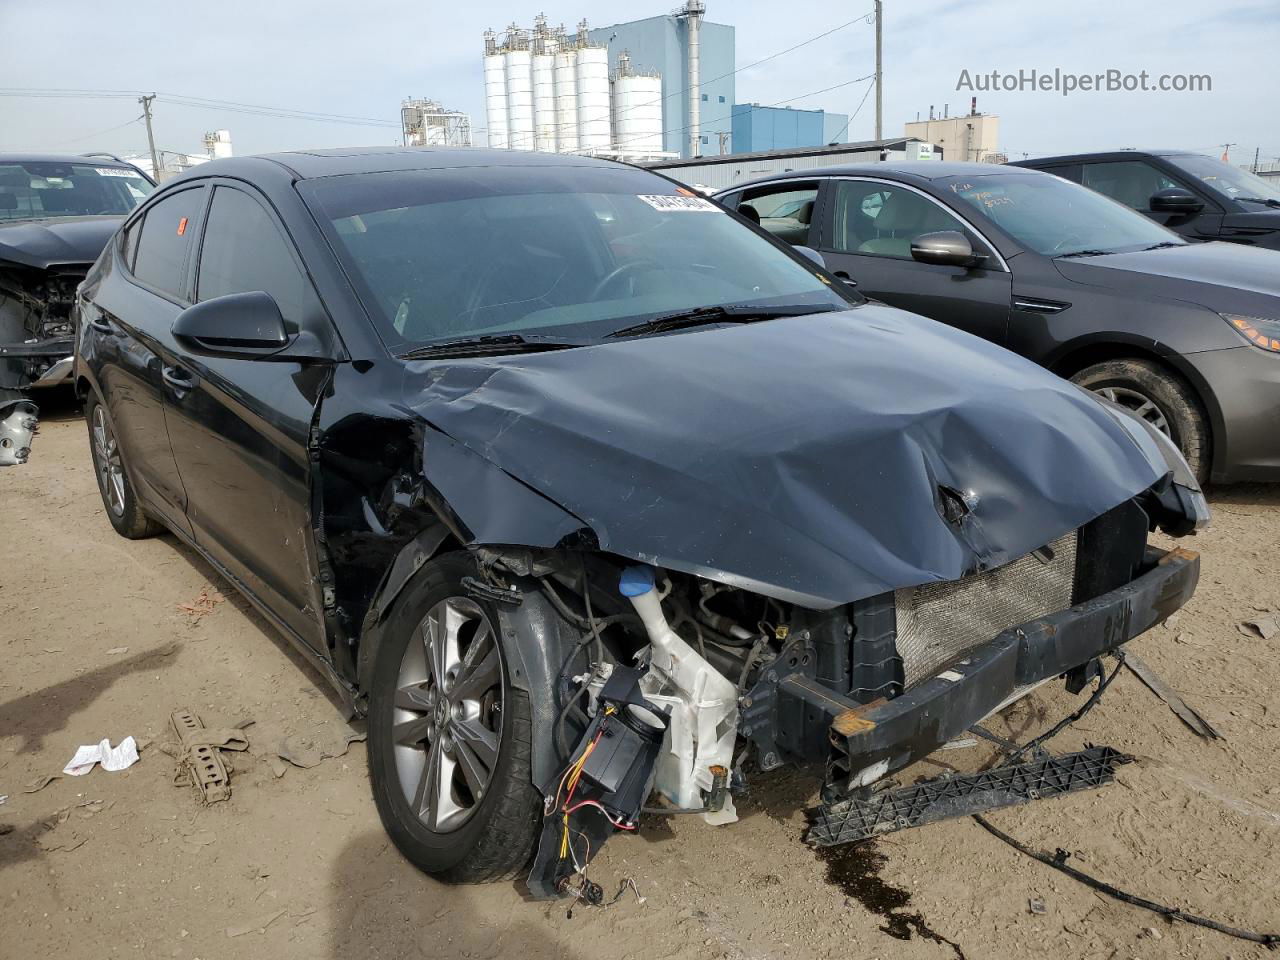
x: 118, y: 496
x: 449, y: 707
x: 1162, y: 398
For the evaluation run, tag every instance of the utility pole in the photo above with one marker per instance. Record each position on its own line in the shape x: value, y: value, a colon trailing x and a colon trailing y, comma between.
x: 151, y: 140
x: 1226, y: 152
x: 724, y: 136
x: 879, y: 70
x: 1256, y: 151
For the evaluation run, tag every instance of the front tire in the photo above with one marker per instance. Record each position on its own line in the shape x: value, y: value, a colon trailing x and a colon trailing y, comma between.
x: 118, y: 496
x: 449, y: 737
x: 1162, y: 398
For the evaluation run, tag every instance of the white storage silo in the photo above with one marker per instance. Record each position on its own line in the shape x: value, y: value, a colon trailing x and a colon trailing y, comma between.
x: 637, y: 111
x: 544, y: 102
x: 495, y: 99
x: 593, y: 98
x: 520, y: 133
x: 566, y: 79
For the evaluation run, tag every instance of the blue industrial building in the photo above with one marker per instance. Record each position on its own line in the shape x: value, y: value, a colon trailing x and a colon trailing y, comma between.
x: 661, y: 43
x: 758, y: 128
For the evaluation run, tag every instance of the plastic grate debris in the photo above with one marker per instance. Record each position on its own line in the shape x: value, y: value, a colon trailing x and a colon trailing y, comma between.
x: 961, y: 795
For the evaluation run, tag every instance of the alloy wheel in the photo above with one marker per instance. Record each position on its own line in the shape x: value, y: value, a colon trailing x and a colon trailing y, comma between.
x: 1137, y: 403
x: 106, y: 456
x: 447, y: 717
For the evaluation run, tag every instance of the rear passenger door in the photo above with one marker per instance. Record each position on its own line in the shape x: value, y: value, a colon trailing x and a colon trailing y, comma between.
x: 866, y: 235
x: 240, y: 427
x: 131, y: 313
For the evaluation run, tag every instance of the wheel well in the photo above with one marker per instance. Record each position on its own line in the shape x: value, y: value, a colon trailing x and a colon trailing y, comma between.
x: 1072, y: 362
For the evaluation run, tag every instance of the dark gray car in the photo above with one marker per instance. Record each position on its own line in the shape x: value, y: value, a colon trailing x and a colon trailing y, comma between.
x: 1199, y: 197
x: 1185, y: 335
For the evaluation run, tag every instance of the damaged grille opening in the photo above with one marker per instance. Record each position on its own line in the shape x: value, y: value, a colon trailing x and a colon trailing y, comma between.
x: 35, y: 307
x: 938, y: 623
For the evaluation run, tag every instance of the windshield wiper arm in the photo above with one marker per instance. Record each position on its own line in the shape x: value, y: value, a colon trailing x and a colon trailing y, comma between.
x: 730, y: 313
x: 1085, y: 253
x: 489, y: 343
x: 1167, y: 243
x: 1269, y: 201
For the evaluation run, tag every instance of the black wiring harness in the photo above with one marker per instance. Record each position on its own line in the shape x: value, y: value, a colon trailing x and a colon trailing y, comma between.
x: 1058, y: 859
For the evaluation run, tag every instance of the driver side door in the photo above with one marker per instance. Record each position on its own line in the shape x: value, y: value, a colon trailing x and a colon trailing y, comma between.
x: 866, y: 235
x: 240, y: 427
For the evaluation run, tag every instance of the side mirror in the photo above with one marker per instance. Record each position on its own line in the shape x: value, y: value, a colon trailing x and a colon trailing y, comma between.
x: 946, y: 248
x: 237, y: 325
x: 1176, y: 200
x: 811, y: 254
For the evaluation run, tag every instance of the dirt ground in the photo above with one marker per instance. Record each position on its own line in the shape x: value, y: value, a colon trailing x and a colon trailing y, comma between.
x: 128, y: 864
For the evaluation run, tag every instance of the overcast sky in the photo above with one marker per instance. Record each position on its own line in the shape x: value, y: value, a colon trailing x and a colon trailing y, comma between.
x: 361, y: 59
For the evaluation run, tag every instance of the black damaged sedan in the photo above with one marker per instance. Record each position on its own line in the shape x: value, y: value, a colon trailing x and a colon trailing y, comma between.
x: 594, y: 498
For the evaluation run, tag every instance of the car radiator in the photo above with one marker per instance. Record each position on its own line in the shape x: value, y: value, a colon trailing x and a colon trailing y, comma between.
x: 938, y: 623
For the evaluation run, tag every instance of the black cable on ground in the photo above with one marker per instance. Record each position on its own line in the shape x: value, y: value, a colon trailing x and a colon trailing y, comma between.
x: 1068, y: 721
x: 1058, y: 862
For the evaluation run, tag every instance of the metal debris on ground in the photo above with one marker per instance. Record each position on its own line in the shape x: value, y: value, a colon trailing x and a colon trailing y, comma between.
x: 1263, y: 629
x: 200, y: 761
x: 1186, y: 713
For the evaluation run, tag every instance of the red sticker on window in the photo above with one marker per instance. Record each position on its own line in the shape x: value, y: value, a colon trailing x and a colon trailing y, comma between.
x: 182, y: 226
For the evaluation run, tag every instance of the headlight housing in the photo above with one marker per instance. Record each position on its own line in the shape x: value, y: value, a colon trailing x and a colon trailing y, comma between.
x: 1259, y: 331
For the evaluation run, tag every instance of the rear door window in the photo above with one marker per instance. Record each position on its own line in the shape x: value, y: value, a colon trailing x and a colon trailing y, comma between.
x: 785, y: 210
x: 245, y: 252
x: 164, y: 243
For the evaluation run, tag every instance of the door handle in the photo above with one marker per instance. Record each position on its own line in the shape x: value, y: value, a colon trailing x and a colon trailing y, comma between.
x: 179, y: 378
x: 846, y: 278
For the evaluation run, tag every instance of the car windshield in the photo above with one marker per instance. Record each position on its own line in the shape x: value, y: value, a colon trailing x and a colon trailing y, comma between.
x: 1056, y: 218
x: 1232, y: 181
x: 38, y: 191
x: 572, y: 250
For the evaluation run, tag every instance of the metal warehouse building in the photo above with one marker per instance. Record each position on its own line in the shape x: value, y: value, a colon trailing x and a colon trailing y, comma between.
x: 720, y: 172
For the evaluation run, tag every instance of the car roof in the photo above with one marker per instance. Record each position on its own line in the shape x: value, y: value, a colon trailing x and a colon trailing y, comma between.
x: 97, y: 161
x: 909, y: 170
x: 1120, y: 154
x: 307, y: 164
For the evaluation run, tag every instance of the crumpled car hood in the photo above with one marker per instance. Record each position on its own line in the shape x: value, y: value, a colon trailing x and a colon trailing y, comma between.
x: 800, y: 458
x: 43, y: 243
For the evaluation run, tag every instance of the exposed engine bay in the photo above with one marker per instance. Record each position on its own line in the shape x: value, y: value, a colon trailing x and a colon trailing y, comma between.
x: 674, y: 687
x: 36, y: 328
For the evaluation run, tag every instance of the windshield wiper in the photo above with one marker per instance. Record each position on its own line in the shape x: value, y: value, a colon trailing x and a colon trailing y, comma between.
x: 1167, y: 243
x: 730, y: 313
x: 1269, y: 201
x: 1085, y: 253
x: 489, y: 343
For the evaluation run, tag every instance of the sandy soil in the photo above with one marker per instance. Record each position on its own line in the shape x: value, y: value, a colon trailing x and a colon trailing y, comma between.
x: 127, y: 864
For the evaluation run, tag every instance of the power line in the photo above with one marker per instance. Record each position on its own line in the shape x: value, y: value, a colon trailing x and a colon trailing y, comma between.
x: 185, y: 100
x: 853, y: 116
x: 100, y: 133
x: 738, y: 113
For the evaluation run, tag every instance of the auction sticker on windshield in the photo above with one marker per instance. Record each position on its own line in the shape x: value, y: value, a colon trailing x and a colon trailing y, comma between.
x: 666, y: 203
x: 114, y: 172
